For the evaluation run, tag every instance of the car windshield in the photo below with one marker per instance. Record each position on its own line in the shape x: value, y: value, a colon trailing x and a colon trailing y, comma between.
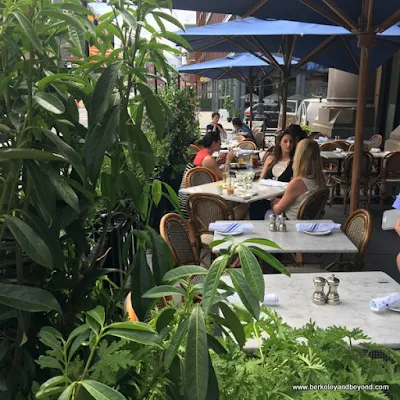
x: 291, y: 107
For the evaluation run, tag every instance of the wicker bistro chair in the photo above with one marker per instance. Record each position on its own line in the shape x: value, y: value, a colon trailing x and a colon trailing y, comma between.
x: 341, y: 144
x: 205, y: 208
x: 366, y: 147
x: 357, y: 228
x: 376, y: 140
x: 198, y: 176
x: 239, y: 138
x: 330, y: 166
x: 194, y: 149
x: 389, y: 175
x: 260, y: 139
x: 344, y: 180
x: 247, y: 145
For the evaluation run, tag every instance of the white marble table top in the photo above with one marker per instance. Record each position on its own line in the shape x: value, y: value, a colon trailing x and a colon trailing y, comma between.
x: 356, y: 289
x: 334, y: 155
x: 262, y: 192
x: 293, y: 241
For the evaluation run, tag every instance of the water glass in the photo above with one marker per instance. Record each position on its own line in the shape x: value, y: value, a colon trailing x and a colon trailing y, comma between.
x: 337, y: 137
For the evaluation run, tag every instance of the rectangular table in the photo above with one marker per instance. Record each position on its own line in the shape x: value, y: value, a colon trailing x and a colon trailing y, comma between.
x: 334, y: 155
x: 356, y: 289
x: 263, y: 192
x: 293, y: 241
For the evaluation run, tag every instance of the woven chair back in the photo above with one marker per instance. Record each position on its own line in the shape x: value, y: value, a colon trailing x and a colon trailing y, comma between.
x: 205, y: 208
x: 365, y: 168
x: 313, y: 206
x: 390, y: 167
x: 327, y: 147
x: 366, y: 147
x: 341, y: 144
x: 376, y: 140
x: 194, y: 149
x: 239, y: 138
x: 198, y: 176
x: 180, y: 238
x: 247, y: 145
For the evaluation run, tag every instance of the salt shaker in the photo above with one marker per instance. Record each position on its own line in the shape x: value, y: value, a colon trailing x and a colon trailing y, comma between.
x: 272, y: 223
x: 282, y: 225
x: 319, y: 295
x: 333, y: 296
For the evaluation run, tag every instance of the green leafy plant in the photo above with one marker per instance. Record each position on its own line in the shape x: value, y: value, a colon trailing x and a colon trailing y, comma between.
x: 228, y: 103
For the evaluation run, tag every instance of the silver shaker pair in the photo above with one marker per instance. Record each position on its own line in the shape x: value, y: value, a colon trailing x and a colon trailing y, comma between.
x: 332, y: 297
x: 277, y: 223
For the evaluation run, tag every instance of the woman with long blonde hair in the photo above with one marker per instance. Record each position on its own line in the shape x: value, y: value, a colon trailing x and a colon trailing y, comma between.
x: 308, y: 176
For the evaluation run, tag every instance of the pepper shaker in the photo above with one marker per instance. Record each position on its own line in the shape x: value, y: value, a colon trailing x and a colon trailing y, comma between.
x: 272, y: 223
x: 319, y: 295
x: 282, y: 225
x: 333, y: 295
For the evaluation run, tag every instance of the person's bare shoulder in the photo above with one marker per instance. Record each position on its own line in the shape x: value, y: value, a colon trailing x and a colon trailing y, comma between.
x: 297, y: 185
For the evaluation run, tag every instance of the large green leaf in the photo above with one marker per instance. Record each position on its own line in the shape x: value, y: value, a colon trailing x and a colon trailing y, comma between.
x: 196, y: 358
x: 77, y: 8
x: 161, y: 256
x: 138, y: 336
x: 67, y: 393
x: 141, y: 281
x: 98, y: 314
x: 63, y: 79
x: 61, y: 187
x: 172, y: 198
x: 68, y: 19
x: 29, y: 31
x: 156, y: 191
x: 183, y: 272
x: 164, y: 290
x: 99, y: 391
x: 129, y: 18
x: 29, y: 154
x: 169, y: 18
x: 67, y: 152
x: 176, y: 341
x: 211, y: 282
x: 28, y: 298
x: 270, y: 259
x: 43, y: 197
x: 264, y: 242
x: 246, y: 295
x: 98, y: 141
x: 133, y: 187
x: 213, y: 388
x: 101, y: 95
x: 49, y: 102
x: 233, y: 323
x: 252, y: 272
x: 154, y: 109
x: 134, y: 326
x: 33, y: 245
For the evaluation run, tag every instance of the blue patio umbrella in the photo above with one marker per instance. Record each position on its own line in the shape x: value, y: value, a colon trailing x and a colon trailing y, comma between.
x: 364, y: 18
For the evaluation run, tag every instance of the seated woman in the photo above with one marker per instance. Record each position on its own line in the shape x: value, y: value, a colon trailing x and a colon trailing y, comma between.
x: 308, y: 176
x: 278, y: 167
x: 243, y: 129
x: 204, y: 158
x: 214, y: 126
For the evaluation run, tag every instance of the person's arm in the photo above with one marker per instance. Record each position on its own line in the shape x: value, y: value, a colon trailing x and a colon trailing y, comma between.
x: 267, y: 163
x: 221, y: 129
x: 397, y: 227
x: 295, y: 188
x: 210, y: 163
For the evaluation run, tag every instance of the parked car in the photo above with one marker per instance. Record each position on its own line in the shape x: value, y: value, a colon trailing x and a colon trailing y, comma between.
x: 271, y: 114
x: 291, y: 110
x: 308, y: 111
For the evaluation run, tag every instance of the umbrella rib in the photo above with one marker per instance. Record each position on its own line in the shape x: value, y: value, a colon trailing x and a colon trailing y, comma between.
x: 266, y: 53
x: 351, y: 52
x: 332, y: 17
x: 342, y: 15
x: 208, y: 45
x: 390, y: 21
x: 254, y: 8
x: 322, y: 46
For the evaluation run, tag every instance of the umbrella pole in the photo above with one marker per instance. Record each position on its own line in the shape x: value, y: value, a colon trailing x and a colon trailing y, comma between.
x: 251, y: 106
x: 359, y: 129
x: 284, y: 98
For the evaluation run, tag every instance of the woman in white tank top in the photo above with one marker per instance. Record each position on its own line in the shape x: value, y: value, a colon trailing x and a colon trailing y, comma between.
x: 308, y: 176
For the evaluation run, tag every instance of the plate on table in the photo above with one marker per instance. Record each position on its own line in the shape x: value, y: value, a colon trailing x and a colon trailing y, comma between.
x: 322, y: 233
x: 234, y: 233
x: 238, y: 166
x: 247, y: 195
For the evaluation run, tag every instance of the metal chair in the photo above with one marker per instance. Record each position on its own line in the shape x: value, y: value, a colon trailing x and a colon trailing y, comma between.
x: 247, y: 145
x: 344, y: 180
x: 205, y: 208
x: 330, y: 166
x: 260, y: 139
x: 366, y: 147
x: 239, y: 138
x: 341, y: 144
x: 376, y: 140
x: 389, y: 174
x: 199, y: 176
x: 329, y: 146
x: 313, y: 206
x: 357, y: 228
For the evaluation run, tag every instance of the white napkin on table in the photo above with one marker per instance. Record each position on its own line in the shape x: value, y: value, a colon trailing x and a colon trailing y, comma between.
x: 375, y: 150
x: 382, y: 303
x: 271, y: 182
x: 322, y: 139
x: 317, y: 226
x: 269, y: 298
x: 228, y: 227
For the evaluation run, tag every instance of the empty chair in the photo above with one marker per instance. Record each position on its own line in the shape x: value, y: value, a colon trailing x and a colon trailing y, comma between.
x: 341, y: 144
x: 327, y: 146
x: 198, y: 176
x: 194, y: 148
x: 205, y: 208
x: 366, y: 147
x: 389, y: 175
x: 259, y: 138
x: 330, y: 166
x: 239, y: 138
x: 344, y: 180
x: 375, y: 140
x: 313, y: 206
x: 358, y: 229
x: 247, y: 145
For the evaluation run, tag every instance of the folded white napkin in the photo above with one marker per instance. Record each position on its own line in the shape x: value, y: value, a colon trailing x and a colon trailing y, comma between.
x: 382, y: 303
x: 228, y: 227
x: 269, y: 298
x: 338, y: 150
x: 322, y: 139
x: 375, y: 150
x: 271, y: 182
x: 317, y: 226
x: 223, y: 151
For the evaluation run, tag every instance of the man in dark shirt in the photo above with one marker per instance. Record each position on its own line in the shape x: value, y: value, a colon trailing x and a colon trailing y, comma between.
x: 215, y: 126
x: 243, y: 129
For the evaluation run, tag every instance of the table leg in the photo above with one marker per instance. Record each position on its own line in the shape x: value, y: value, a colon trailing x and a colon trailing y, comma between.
x: 339, y: 172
